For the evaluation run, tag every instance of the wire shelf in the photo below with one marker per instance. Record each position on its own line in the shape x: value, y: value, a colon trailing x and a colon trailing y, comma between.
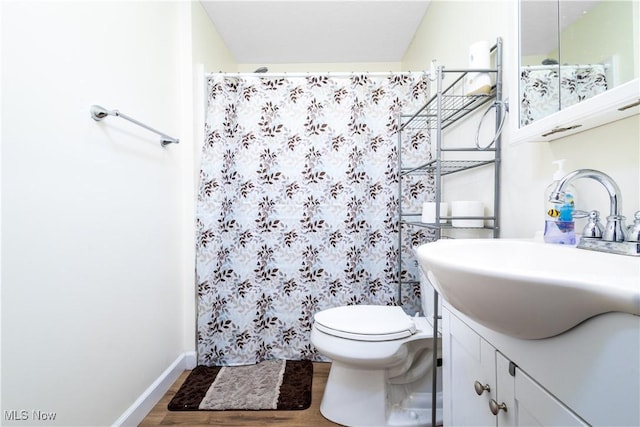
x: 446, y: 166
x: 454, y: 107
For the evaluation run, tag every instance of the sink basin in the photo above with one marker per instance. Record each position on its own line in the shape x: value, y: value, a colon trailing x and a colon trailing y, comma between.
x: 529, y: 289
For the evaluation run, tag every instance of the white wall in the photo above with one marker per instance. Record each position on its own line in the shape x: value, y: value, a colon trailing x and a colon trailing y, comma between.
x: 97, y: 217
x: 445, y: 34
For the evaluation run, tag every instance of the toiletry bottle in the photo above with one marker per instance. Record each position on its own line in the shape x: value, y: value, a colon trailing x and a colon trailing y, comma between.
x: 559, y: 224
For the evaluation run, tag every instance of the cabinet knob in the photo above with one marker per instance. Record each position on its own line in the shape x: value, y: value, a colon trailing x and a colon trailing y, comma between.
x: 495, y: 407
x: 480, y: 388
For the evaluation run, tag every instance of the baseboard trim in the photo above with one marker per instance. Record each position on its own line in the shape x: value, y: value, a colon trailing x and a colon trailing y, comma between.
x: 152, y: 395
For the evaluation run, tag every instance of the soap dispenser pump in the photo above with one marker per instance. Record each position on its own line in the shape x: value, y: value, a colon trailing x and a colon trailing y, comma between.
x: 559, y: 225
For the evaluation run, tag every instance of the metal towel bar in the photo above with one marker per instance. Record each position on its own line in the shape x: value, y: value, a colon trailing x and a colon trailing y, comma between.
x: 98, y: 113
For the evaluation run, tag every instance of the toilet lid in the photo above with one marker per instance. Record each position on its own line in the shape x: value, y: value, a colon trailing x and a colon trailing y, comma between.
x: 365, y: 322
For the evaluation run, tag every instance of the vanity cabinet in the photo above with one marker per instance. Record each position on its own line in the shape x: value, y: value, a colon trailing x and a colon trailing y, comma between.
x: 478, y: 380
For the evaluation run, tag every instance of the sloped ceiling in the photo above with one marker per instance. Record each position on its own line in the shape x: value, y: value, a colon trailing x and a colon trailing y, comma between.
x: 308, y: 31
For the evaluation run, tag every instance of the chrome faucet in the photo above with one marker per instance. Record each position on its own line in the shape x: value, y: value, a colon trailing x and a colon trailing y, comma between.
x: 615, y: 229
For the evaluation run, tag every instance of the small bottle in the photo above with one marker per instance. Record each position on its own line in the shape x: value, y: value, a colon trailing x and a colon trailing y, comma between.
x: 559, y: 224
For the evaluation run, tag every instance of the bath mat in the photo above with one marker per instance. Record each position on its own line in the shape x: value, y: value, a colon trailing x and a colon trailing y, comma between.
x: 269, y: 385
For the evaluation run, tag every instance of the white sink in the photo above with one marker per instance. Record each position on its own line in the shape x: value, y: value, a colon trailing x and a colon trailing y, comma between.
x: 529, y: 289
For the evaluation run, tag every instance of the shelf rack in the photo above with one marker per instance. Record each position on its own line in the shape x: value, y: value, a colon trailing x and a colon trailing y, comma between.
x: 448, y: 106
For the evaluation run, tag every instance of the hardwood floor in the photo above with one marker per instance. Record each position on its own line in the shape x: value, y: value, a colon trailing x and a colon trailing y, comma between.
x: 160, y: 416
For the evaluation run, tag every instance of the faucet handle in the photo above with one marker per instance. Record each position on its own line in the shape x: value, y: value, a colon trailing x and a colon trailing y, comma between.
x: 577, y: 214
x: 593, y: 229
x: 633, y: 232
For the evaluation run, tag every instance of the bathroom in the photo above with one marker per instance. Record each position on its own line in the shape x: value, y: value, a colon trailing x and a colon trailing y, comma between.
x: 98, y: 281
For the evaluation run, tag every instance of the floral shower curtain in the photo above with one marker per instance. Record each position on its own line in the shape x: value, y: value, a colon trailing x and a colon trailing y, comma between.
x: 297, y: 208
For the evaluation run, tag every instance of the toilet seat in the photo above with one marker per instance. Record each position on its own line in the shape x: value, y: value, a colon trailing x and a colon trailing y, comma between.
x: 365, y: 322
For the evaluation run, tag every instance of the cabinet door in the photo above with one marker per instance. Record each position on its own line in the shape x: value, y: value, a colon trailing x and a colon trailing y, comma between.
x: 535, y: 406
x: 527, y: 403
x: 467, y: 358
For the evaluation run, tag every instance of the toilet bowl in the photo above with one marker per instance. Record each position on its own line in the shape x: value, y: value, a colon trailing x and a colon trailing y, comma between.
x: 382, y: 366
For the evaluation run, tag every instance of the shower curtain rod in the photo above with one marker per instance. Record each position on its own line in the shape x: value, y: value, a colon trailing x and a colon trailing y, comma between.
x: 321, y: 73
x: 98, y: 113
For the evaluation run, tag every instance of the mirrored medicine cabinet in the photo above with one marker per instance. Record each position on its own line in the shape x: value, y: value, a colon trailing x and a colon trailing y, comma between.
x: 577, y: 66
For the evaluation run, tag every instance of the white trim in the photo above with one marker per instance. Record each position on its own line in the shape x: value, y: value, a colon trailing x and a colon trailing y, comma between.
x: 152, y: 395
x: 190, y: 360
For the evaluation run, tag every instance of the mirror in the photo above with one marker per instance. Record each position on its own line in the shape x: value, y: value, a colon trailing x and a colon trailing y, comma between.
x: 572, y: 50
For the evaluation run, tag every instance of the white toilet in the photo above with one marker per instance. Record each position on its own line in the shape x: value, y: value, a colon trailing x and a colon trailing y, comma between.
x: 382, y: 366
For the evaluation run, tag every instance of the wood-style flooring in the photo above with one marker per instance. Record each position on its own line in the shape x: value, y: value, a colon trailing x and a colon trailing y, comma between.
x: 160, y: 416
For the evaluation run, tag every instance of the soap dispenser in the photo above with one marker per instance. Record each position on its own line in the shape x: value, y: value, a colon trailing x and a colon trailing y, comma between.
x: 559, y: 224
x: 553, y: 209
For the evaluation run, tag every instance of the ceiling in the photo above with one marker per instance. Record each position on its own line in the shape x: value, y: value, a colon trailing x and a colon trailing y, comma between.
x: 313, y: 31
